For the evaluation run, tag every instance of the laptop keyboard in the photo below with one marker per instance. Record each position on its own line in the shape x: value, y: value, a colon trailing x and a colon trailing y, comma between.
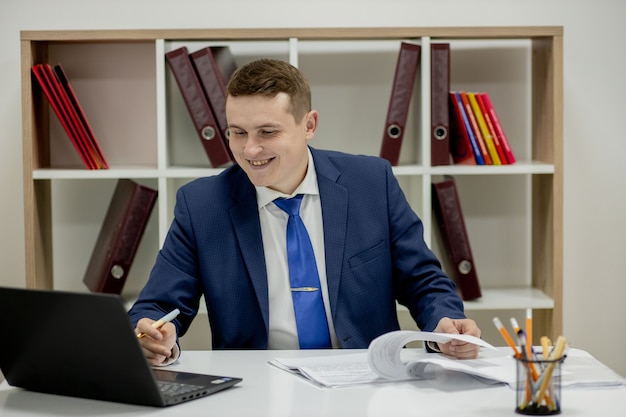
x: 177, y: 389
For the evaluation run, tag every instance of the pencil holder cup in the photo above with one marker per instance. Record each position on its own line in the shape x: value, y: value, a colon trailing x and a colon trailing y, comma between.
x: 538, y: 386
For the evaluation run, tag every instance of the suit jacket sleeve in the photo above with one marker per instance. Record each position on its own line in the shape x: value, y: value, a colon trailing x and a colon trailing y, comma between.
x: 420, y: 283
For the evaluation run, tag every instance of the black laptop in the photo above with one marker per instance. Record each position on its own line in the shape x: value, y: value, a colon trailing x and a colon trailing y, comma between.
x: 83, y: 345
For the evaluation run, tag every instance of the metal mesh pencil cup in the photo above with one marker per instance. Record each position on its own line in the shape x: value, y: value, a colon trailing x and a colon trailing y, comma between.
x: 538, y: 386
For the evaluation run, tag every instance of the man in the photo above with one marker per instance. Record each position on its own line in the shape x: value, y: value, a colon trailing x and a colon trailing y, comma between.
x: 227, y: 241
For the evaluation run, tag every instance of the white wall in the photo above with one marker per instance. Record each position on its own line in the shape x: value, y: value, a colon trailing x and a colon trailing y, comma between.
x: 595, y: 193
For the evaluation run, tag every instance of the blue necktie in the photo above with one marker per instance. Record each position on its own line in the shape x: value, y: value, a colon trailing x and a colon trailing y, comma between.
x: 305, y: 282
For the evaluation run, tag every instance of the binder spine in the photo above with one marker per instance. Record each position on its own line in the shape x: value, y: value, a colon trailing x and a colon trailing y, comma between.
x: 447, y: 207
x: 397, y: 112
x: 204, y: 121
x: 121, y: 232
x: 439, y: 109
x: 214, y: 65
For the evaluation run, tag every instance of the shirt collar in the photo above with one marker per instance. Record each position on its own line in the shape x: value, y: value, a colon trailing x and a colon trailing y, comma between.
x: 308, y: 185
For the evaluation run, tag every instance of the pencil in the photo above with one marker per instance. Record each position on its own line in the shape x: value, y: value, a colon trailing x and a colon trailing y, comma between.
x: 506, y: 336
x: 160, y: 322
x: 545, y: 346
x: 529, y: 327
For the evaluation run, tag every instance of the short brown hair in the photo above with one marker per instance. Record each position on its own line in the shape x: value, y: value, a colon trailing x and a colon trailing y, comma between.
x: 268, y: 77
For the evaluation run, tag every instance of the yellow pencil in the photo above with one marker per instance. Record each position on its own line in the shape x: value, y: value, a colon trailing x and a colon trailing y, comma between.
x: 545, y: 346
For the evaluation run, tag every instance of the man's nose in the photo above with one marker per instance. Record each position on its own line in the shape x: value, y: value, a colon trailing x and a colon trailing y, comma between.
x: 253, y: 145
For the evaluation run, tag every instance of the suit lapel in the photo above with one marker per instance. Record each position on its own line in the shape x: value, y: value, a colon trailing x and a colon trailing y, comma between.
x: 334, y: 200
x: 244, y: 216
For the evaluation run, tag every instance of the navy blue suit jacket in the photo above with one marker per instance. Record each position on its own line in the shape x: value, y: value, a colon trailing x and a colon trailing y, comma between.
x: 375, y: 255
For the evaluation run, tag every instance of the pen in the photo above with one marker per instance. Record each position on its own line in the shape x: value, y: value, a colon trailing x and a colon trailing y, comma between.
x: 526, y: 352
x: 160, y: 322
x: 521, y: 337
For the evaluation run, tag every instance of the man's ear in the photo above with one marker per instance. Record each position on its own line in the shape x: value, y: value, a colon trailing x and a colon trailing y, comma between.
x: 310, y: 124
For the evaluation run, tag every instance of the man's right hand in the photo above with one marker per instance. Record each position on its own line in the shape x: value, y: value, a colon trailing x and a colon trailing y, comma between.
x: 157, y: 344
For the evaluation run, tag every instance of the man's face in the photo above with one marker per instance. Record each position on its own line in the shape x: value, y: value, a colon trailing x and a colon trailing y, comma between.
x: 267, y: 142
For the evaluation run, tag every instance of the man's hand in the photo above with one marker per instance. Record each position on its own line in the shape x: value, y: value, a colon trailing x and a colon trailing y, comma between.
x: 157, y: 344
x: 458, y: 348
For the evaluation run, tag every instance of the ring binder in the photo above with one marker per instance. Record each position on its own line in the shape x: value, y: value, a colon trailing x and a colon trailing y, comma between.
x: 214, y: 66
x: 397, y: 112
x: 119, y: 237
x: 201, y: 113
x: 448, y: 212
x: 439, y: 110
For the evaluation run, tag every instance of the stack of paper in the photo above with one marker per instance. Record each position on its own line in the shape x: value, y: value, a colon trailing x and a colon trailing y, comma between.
x: 386, y: 361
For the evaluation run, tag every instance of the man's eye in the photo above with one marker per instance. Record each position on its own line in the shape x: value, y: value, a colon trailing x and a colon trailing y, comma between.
x: 238, y: 133
x: 268, y: 132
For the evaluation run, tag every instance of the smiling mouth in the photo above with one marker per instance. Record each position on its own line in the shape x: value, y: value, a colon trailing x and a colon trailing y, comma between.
x: 260, y: 162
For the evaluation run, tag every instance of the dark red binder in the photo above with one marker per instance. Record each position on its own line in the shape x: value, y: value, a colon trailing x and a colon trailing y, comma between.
x: 214, y: 66
x: 120, y: 234
x: 439, y: 109
x: 447, y: 209
x: 210, y: 134
x: 401, y: 92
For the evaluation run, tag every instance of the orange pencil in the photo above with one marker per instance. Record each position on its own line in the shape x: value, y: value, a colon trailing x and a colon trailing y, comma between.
x: 506, y: 336
x: 529, y: 327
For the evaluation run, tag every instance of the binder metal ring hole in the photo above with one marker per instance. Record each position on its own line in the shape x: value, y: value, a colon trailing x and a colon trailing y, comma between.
x: 117, y: 271
x: 394, y: 131
x: 441, y: 132
x: 208, y: 132
x: 465, y: 267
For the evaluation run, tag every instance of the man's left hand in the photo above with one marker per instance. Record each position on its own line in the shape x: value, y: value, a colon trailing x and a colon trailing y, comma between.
x: 458, y: 348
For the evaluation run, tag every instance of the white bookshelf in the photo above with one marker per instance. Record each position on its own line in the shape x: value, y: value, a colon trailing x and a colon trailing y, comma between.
x: 513, y: 213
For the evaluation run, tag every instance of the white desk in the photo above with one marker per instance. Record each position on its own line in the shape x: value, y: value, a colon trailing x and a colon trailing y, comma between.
x: 269, y: 391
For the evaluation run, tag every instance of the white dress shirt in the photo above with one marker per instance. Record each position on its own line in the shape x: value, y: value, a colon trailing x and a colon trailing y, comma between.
x: 283, y: 333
